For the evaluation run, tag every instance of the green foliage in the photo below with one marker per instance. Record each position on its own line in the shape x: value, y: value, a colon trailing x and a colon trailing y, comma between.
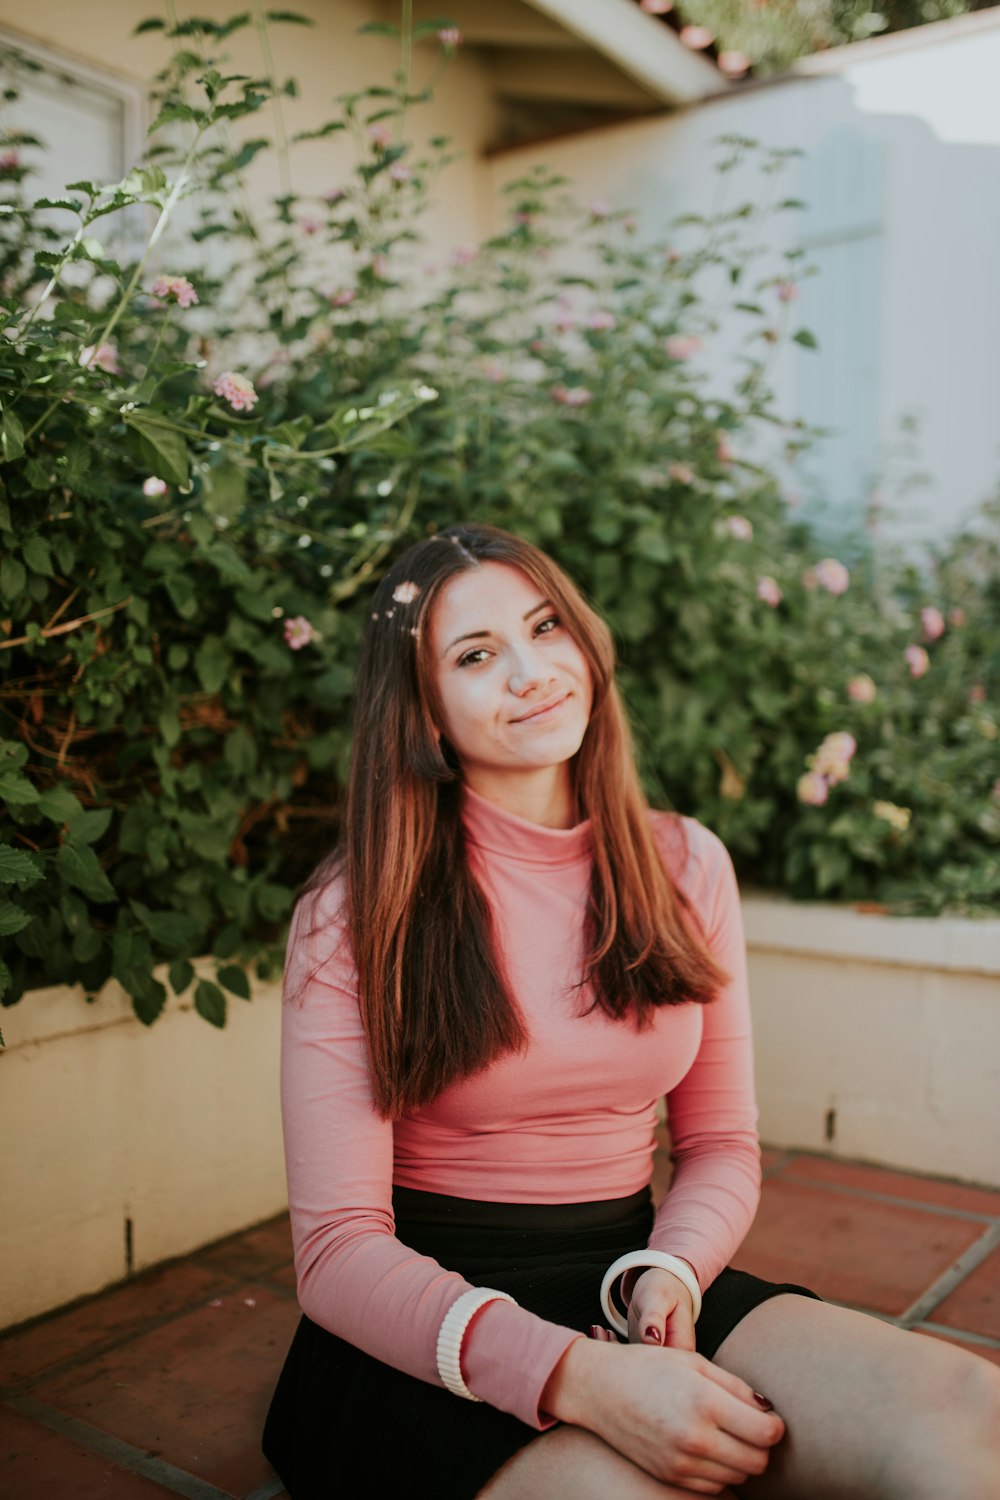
x: 187, y: 541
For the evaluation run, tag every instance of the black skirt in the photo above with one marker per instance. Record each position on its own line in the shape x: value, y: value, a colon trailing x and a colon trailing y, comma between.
x: 337, y: 1412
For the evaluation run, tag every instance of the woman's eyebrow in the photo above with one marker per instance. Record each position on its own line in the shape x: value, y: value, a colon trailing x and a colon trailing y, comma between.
x: 475, y: 635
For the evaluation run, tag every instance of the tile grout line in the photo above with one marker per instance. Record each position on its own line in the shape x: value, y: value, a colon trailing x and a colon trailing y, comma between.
x: 977, y: 1340
x: 871, y: 1195
x: 267, y: 1491
x: 132, y: 1460
x: 953, y: 1277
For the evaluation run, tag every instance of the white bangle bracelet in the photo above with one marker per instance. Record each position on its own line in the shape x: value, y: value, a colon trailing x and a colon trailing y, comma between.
x: 452, y: 1332
x: 646, y: 1260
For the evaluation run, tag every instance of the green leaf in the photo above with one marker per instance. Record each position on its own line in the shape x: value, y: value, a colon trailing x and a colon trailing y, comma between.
x: 17, y: 790
x: 169, y: 725
x: 162, y: 435
x: 88, y: 827
x: 18, y: 867
x: 240, y: 752
x: 180, y: 973
x: 59, y: 804
x: 182, y: 595
x: 173, y: 930
x: 290, y: 15
x: 6, y: 980
x: 235, y: 980
x: 13, y: 918
x: 225, y: 491
x: 211, y: 663
x: 378, y: 28
x: 155, y: 23
x: 210, y: 1002
x: 81, y: 868
x: 12, y: 580
x: 11, y: 437
x: 805, y: 338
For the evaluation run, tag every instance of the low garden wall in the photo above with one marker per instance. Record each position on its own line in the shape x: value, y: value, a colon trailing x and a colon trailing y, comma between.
x: 877, y: 1039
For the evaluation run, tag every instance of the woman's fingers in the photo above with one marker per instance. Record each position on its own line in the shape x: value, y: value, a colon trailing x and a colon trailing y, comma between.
x: 660, y: 1311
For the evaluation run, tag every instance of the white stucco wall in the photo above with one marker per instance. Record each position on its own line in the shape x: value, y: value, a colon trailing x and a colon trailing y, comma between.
x: 917, y: 115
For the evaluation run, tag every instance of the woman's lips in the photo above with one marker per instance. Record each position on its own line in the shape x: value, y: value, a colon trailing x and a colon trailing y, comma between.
x: 543, y: 711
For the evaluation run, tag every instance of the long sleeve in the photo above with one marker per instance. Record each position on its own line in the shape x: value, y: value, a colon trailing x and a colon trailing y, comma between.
x: 355, y: 1278
x: 712, y: 1112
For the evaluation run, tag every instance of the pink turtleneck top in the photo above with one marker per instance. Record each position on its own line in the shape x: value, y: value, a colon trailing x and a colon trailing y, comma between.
x: 569, y: 1120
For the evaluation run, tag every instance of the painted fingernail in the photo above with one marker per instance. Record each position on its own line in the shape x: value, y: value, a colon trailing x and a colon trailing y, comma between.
x: 653, y: 1334
x: 596, y: 1332
x: 763, y: 1401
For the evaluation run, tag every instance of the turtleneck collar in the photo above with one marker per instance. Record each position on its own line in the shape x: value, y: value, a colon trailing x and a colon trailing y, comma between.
x: 500, y: 832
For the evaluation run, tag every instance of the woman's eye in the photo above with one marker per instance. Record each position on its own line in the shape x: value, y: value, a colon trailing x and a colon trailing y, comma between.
x: 472, y: 658
x: 546, y: 626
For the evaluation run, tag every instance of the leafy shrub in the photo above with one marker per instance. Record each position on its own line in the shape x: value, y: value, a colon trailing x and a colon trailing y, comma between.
x: 189, y: 539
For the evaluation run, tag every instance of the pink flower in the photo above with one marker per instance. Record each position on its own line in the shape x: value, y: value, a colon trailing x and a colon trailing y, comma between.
x: 493, y: 370
x: 574, y: 395
x: 400, y: 172
x: 600, y: 321
x: 333, y: 195
x: 462, y: 255
x: 343, y: 298
x: 681, y: 474
x: 833, y: 759
x: 812, y: 789
x: 237, y: 390
x: 768, y: 591
x: 977, y: 693
x: 537, y: 346
x: 956, y: 617
x: 696, y: 37
x: 309, y: 224
x: 104, y: 358
x: 175, y: 288
x: 723, y: 452
x: 738, y: 527
x: 10, y: 161
x: 932, y: 622
x: 380, y: 135
x: 832, y: 576
x: 682, y: 345
x: 299, y: 632
x: 564, y: 323
x: 917, y: 660
x: 733, y: 64
x: 405, y: 593
x: 450, y: 37
x: 861, y: 689
x: 523, y: 217
x: 656, y: 7
x: 153, y: 487
x: 787, y: 291
x: 380, y: 267
x: 599, y: 208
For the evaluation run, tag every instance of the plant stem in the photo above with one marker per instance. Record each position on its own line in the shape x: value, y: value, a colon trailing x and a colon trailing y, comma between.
x: 284, y: 155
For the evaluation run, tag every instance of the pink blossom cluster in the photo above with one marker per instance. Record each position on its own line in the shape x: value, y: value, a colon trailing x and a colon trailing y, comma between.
x: 571, y: 395
x: 696, y: 37
x: 237, y: 390
x: 769, y: 591
x: 174, y: 289
x: 299, y: 632
x: 828, y: 766
x: 10, y: 161
x: 153, y: 487
x: 462, y: 255
x: 932, y: 622
x: 787, y: 291
x: 341, y: 298
x: 682, y: 345
x: 681, y: 473
x: 739, y: 528
x: 309, y: 224
x: 380, y: 135
x: 862, y: 689
x: 400, y: 172
x: 917, y: 660
x: 601, y: 320
x: 104, y: 357
x: 450, y: 37
x: 599, y: 208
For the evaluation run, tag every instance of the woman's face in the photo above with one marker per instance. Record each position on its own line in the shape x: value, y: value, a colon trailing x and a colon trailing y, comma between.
x: 513, y: 686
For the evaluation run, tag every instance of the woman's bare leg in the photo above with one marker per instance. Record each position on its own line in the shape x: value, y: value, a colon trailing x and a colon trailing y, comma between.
x: 571, y: 1464
x: 871, y: 1412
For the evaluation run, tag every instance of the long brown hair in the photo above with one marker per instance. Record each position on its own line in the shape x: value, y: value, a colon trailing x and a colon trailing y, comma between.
x: 434, y: 1000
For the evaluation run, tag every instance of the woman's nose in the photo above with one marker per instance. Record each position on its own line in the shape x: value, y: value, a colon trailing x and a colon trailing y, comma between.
x: 528, y: 671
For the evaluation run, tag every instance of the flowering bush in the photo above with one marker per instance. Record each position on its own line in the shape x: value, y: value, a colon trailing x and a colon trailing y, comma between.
x: 188, y: 542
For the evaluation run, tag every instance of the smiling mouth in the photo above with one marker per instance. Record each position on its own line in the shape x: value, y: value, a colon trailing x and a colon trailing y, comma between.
x: 543, y: 710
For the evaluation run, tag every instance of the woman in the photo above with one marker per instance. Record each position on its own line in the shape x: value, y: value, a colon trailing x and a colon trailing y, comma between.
x: 508, y: 961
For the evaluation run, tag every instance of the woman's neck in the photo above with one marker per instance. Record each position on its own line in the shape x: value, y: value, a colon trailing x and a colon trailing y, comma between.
x: 544, y: 796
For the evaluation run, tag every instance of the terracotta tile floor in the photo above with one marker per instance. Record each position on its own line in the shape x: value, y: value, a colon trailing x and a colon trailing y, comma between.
x: 159, y: 1386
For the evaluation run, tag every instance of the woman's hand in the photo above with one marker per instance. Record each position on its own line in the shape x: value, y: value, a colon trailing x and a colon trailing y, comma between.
x: 674, y: 1414
x: 660, y: 1311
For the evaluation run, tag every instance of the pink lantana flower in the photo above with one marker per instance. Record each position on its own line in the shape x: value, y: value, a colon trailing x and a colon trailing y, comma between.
x: 931, y: 622
x: 682, y: 345
x: 462, y: 255
x: 681, y: 473
x: 237, y: 390
x: 832, y: 576
x: 380, y: 267
x: 309, y: 224
x: 977, y: 693
x: 299, y: 632
x: 956, y: 617
x: 696, y: 37
x: 400, y: 172
x: 862, y: 689
x: 175, y: 289
x: 599, y: 208
x: 787, y: 291
x: 342, y: 298
x: 812, y: 789
x: 723, y: 451
x: 917, y: 660
x: 739, y: 528
x: 103, y: 358
x: 572, y: 395
x: 733, y: 64
x: 333, y: 195
x: 153, y: 487
x: 450, y: 37
x: 768, y: 591
x: 380, y: 135
x: 656, y: 7
x: 601, y: 320
x: 833, y: 759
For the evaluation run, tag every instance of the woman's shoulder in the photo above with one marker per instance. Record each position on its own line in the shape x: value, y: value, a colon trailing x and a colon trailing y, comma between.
x: 695, y: 858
